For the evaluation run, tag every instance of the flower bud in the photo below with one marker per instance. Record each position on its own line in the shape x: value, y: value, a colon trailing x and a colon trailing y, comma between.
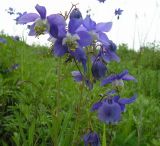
x: 75, y: 14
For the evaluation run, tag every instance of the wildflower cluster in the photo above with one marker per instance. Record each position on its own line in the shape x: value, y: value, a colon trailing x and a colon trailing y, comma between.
x: 85, y: 42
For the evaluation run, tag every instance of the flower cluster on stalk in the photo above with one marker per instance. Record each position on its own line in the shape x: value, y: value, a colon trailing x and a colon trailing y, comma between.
x: 84, y: 42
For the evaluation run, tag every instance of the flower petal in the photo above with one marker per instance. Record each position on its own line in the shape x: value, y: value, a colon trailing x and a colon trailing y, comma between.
x: 96, y: 106
x: 107, y: 80
x: 32, y: 31
x: 80, y: 55
x: 109, y: 56
x: 89, y: 23
x: 116, y: 98
x: 41, y: 10
x: 102, y: 37
x: 128, y: 78
x: 57, y: 25
x: 56, y: 19
x: 74, y: 24
x: 26, y: 18
x: 85, y: 38
x: 127, y: 100
x: 58, y: 49
x: 122, y: 74
x: 104, y: 27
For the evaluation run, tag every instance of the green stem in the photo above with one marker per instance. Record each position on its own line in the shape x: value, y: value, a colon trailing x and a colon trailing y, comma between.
x: 58, y: 86
x: 104, y: 136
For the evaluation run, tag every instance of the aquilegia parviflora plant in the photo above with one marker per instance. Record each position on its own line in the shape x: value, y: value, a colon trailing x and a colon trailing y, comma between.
x: 84, y: 42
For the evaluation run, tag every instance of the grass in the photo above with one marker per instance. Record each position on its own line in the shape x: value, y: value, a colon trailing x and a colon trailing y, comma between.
x: 40, y: 108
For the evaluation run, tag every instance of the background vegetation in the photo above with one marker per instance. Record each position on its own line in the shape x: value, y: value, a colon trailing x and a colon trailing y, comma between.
x: 32, y: 115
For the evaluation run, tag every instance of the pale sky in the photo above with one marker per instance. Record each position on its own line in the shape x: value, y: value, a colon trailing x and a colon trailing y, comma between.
x: 138, y: 24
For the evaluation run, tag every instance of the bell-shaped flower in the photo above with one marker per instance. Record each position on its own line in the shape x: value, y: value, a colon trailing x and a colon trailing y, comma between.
x: 98, y: 69
x: 91, y: 139
x: 109, y: 112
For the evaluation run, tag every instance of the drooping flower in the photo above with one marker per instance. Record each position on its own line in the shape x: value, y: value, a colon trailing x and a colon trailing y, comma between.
x: 118, y: 12
x: 117, y: 79
x: 91, y: 139
x: 40, y: 25
x: 109, y: 112
x: 98, y: 69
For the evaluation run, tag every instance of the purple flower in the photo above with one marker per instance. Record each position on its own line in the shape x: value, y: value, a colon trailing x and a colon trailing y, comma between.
x: 3, y: 40
x: 109, y: 112
x: 91, y: 139
x: 98, y: 69
x: 11, y: 11
x: 117, y: 79
x: 71, y: 41
x: 40, y: 25
x: 97, y: 30
x: 118, y: 12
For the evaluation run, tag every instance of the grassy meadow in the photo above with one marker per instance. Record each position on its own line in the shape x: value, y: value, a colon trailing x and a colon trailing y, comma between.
x: 41, y: 104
